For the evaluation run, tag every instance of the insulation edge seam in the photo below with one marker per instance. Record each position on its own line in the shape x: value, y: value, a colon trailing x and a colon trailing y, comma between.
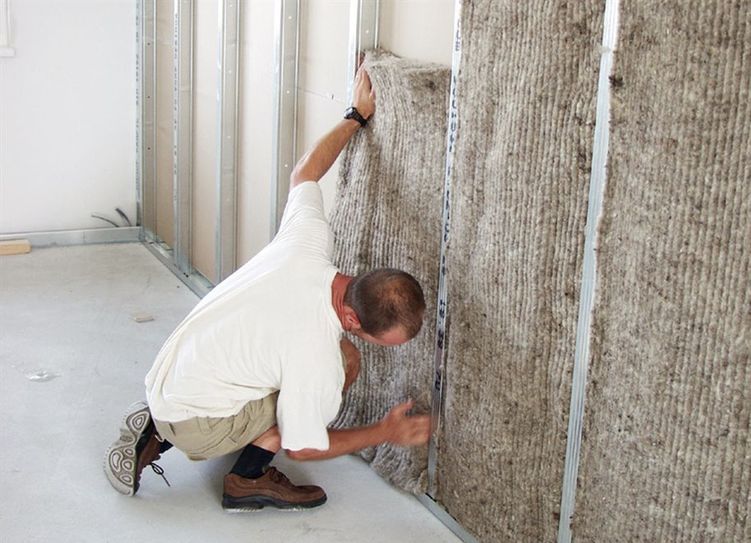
x: 442, y: 296
x: 598, y: 179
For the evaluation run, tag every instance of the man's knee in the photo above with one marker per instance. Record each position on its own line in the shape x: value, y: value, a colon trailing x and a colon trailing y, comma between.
x: 350, y: 352
x: 352, y: 358
x: 271, y: 440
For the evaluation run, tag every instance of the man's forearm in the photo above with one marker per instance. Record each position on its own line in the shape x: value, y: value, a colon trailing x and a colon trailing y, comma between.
x: 396, y: 427
x: 344, y: 442
x: 316, y: 162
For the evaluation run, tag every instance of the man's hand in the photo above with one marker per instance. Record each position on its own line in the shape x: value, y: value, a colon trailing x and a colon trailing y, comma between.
x: 401, y: 429
x: 396, y: 427
x: 363, y: 96
x: 316, y: 162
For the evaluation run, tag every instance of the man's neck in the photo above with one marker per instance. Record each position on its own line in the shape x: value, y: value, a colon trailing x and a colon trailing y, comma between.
x: 338, y: 288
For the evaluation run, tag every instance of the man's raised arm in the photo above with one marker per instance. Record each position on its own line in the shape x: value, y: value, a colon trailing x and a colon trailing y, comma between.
x: 316, y: 162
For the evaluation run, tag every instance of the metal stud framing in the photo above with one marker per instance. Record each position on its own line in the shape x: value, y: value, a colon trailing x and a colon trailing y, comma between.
x: 364, y: 15
x: 363, y: 35
x: 229, y: 56
x: 146, y: 121
x: 449, y: 521
x: 182, y: 169
x: 589, y: 274
x: 285, y: 104
x: 177, y: 258
x: 442, y: 302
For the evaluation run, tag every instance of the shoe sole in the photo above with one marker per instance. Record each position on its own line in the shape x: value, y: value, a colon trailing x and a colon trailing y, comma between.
x: 120, y: 459
x: 256, y: 503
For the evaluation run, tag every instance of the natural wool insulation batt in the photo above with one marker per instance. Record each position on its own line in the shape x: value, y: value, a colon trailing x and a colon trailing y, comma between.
x: 666, y: 454
x: 526, y: 95
x: 388, y: 214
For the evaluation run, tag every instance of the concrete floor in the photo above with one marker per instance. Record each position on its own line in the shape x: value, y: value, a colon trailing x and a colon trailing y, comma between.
x: 72, y: 359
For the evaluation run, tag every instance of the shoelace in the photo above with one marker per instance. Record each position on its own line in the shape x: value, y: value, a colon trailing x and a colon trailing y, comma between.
x: 159, y: 471
x: 278, y: 477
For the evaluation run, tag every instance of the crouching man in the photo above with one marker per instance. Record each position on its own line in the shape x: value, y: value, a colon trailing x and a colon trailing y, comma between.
x: 260, y: 363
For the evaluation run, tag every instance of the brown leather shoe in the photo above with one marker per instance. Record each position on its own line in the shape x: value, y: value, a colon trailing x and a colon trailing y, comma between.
x: 148, y: 455
x: 272, y: 488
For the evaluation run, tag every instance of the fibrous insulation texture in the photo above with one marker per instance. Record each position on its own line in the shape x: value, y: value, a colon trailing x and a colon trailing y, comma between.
x: 388, y: 214
x: 666, y: 454
x: 666, y: 451
x: 526, y: 94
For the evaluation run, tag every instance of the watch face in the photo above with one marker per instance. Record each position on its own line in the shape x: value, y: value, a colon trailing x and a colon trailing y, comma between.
x: 352, y: 113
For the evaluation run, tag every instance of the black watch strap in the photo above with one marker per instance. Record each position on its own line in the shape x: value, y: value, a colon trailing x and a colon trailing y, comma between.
x: 352, y: 113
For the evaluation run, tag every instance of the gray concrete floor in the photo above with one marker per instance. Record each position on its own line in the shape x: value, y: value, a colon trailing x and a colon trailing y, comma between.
x: 72, y: 359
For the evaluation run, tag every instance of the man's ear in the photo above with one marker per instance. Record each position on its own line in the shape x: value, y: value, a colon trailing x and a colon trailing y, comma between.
x: 351, y: 321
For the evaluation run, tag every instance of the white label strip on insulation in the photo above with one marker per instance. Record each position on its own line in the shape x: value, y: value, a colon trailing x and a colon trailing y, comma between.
x: 442, y: 302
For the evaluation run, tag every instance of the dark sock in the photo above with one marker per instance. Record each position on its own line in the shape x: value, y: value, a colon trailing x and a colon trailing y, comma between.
x: 252, y: 462
x: 163, y: 445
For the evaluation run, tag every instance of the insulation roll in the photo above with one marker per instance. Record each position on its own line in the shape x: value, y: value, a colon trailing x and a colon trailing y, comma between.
x: 526, y: 92
x: 388, y: 214
x: 666, y: 454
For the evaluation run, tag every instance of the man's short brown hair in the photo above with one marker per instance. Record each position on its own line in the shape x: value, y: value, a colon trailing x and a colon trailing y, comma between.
x: 384, y: 298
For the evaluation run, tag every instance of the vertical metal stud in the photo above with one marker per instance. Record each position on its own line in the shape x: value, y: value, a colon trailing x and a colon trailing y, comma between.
x: 442, y: 303
x: 182, y: 170
x: 146, y: 120
x: 589, y: 274
x: 284, y: 134
x: 363, y: 35
x: 226, y: 216
x: 177, y: 258
x: 6, y: 37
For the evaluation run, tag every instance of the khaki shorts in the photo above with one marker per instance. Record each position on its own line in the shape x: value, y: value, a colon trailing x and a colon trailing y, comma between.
x: 207, y: 437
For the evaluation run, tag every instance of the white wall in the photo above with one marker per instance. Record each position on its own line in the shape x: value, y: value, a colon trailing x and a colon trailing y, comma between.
x: 205, y: 134
x: 68, y: 114
x: 164, y: 144
x: 418, y: 29
x: 254, y: 169
x: 322, y: 84
x: 68, y: 111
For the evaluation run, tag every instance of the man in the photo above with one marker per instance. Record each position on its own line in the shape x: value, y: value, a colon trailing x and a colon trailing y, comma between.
x: 260, y: 363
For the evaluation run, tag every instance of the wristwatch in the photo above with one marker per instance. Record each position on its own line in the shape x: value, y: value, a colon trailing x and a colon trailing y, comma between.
x: 352, y: 113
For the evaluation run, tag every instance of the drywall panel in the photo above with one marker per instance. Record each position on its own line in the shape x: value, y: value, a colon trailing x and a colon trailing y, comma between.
x: 255, y: 130
x: 324, y: 48
x: 322, y: 84
x: 316, y: 116
x: 414, y: 29
x: 526, y: 106
x: 68, y: 115
x: 667, y: 447
x: 165, y: 78
x: 417, y: 29
x: 388, y: 214
x: 205, y: 129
